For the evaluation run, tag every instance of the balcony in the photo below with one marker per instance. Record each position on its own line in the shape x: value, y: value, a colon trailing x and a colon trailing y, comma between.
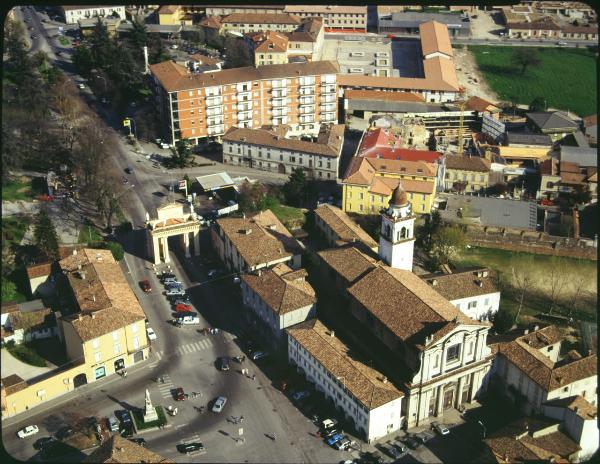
x: 307, y: 109
x: 217, y: 130
x: 244, y: 97
x: 214, y: 101
x: 328, y: 98
x: 327, y: 108
x: 307, y: 90
x: 245, y: 116
x: 244, y: 106
x: 278, y: 93
x: 214, y: 122
x: 279, y: 102
x: 328, y: 89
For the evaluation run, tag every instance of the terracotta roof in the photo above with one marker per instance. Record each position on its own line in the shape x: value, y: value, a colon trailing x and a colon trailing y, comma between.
x: 326, y: 9
x: 348, y: 262
x: 383, y: 143
x: 467, y: 163
x: 382, y: 96
x: 549, y: 167
x: 105, y: 300
x: 260, y: 18
x: 407, y: 306
x: 433, y: 82
x: 269, y: 41
x: 261, y: 238
x: 435, y: 38
x: 174, y: 77
x: 541, y: 369
x: 206, y: 60
x: 36, y: 320
x: 329, y: 143
x: 516, y: 442
x: 120, y: 450
x: 344, y: 227
x: 13, y: 383
x: 580, y: 29
x: 39, y: 270
x: 569, y: 166
x: 546, y: 24
x: 168, y: 9
x: 543, y: 337
x: 386, y: 185
x: 84, y: 7
x: 479, y: 104
x: 9, y: 307
x: 368, y: 166
x: 213, y: 22
x: 282, y: 289
x: 369, y: 386
x: 582, y: 407
x: 463, y: 284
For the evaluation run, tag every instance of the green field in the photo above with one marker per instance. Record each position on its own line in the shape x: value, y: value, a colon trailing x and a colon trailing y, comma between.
x: 566, y: 78
x: 17, y: 189
x: 290, y: 217
x: 537, y: 300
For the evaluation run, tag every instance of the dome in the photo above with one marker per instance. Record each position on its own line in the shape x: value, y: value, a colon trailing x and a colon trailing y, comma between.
x: 399, y: 197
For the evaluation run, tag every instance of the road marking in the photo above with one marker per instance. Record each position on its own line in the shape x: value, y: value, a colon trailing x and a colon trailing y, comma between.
x: 205, y: 344
x: 159, y: 355
x: 197, y: 345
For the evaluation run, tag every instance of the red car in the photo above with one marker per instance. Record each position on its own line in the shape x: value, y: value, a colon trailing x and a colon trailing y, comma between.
x: 184, y: 308
x: 146, y: 287
x: 179, y: 394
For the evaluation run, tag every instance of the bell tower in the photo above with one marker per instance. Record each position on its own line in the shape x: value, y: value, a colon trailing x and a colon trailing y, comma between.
x: 396, y: 240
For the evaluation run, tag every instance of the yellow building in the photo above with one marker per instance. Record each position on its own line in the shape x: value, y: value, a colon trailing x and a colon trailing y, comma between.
x: 174, y: 15
x: 102, y: 328
x: 269, y: 48
x: 517, y: 155
x: 369, y: 183
x: 471, y: 172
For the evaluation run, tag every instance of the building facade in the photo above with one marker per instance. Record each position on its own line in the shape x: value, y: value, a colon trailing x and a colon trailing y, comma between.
x: 472, y: 173
x: 201, y: 106
x: 362, y: 394
x: 272, y: 151
x: 397, y: 237
x: 369, y: 183
x: 72, y: 14
x: 336, y: 18
x: 243, y: 23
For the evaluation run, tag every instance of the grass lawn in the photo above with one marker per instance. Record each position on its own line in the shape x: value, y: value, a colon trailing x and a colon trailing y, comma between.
x: 17, y: 189
x: 537, y: 299
x: 63, y: 41
x: 14, y: 228
x: 291, y: 217
x: 138, y: 417
x: 89, y: 234
x: 547, y: 80
x: 27, y: 354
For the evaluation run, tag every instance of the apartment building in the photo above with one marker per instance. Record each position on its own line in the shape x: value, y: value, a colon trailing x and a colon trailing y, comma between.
x: 73, y: 13
x: 474, y: 292
x: 101, y: 324
x: 255, y: 242
x: 438, y: 82
x: 534, y: 369
x: 201, y: 106
x: 467, y: 173
x: 338, y: 229
x: 363, y: 394
x: 279, y: 298
x: 336, y: 18
x: 243, y: 23
x: 270, y: 150
x: 222, y: 10
x: 368, y: 184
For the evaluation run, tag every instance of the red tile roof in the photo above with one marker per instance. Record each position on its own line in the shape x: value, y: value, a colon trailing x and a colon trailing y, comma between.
x: 383, y: 143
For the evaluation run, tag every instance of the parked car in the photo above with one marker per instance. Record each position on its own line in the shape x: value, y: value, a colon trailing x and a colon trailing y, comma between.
x: 64, y: 432
x: 189, y: 320
x: 146, y: 287
x: 391, y: 451
x: 300, y: 395
x: 219, y: 404
x: 399, y: 446
x: 140, y: 441
x: 184, y: 308
x: 334, y: 439
x: 179, y: 394
x: 214, y: 273
x: 184, y: 301
x: 113, y: 424
x: 166, y: 275
x: 81, y: 86
x: 151, y: 334
x: 424, y: 436
x: 173, y: 285
x: 224, y: 363
x: 328, y: 424
x: 561, y: 44
x: 171, y: 279
x: 190, y: 447
x: 124, y: 416
x: 28, y: 431
x: 175, y: 292
x: 43, y: 442
x: 259, y: 355
x: 342, y: 444
x: 412, y: 442
x: 440, y: 428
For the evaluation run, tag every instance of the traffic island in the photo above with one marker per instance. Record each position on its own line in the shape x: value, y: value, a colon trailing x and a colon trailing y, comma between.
x: 142, y: 427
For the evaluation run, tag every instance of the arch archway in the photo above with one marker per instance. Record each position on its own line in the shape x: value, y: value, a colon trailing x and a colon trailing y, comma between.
x: 281, y: 168
x: 79, y: 380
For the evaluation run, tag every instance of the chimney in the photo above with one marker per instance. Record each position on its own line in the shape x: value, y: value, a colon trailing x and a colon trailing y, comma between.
x: 526, y: 331
x: 589, y: 352
x: 259, y: 273
x: 82, y: 275
x: 384, y: 380
x: 74, y: 252
x: 79, y: 267
x: 434, y: 282
x: 79, y: 316
x: 485, y: 273
x: 576, y: 409
x: 536, y: 327
x: 94, y: 298
x: 480, y: 283
x: 332, y: 333
x: 93, y: 315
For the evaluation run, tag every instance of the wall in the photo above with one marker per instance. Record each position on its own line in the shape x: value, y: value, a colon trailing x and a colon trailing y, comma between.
x: 482, y: 311
x: 373, y: 203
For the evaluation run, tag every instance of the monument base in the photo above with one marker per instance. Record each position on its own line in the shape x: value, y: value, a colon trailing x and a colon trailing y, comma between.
x: 150, y: 415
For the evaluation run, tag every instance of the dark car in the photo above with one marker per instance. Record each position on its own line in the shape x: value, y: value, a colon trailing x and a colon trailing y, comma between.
x: 179, y: 394
x: 43, y: 442
x: 412, y: 442
x: 190, y: 447
x: 166, y: 275
x: 185, y: 301
x: 146, y: 287
x: 224, y: 363
x: 64, y: 432
x: 139, y: 441
x: 124, y: 416
x: 129, y: 170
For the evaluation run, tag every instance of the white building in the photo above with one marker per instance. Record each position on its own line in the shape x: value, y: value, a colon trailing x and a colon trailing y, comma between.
x: 255, y: 242
x: 474, y: 292
x: 532, y: 370
x: 23, y: 322
x: 280, y: 298
x: 397, y: 240
x: 73, y: 13
x: 365, y: 395
x: 270, y: 150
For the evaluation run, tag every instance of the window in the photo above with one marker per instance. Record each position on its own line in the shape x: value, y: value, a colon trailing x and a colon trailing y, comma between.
x: 453, y: 353
x: 136, y: 342
x: 486, y: 301
x: 95, y: 343
x: 472, y: 304
x: 117, y: 348
x: 134, y: 328
x: 436, y: 363
x: 97, y: 356
x: 115, y: 335
x: 470, y: 351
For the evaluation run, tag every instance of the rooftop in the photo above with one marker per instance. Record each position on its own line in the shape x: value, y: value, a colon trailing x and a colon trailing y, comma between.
x: 551, y: 120
x: 405, y: 304
x: 345, y: 228
x: 329, y: 142
x: 261, y: 18
x: 582, y: 407
x: 260, y: 239
x: 434, y: 37
x: 467, y: 163
x: 326, y: 9
x: 39, y: 270
x: 481, y: 105
x: 520, y: 138
x: 348, y: 262
x: 176, y: 78
x: 369, y: 386
x: 281, y: 288
x: 103, y: 295
x: 585, y: 157
x: 120, y: 450
x: 382, y: 96
x: 384, y: 143
x: 464, y: 284
x: 215, y: 181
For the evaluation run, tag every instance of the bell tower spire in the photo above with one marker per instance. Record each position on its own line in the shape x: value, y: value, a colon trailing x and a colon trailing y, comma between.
x: 396, y: 240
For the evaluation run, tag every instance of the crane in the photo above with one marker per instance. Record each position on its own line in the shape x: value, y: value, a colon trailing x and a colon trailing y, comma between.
x: 461, y: 127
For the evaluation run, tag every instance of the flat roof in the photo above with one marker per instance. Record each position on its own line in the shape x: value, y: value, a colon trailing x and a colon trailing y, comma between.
x: 215, y: 181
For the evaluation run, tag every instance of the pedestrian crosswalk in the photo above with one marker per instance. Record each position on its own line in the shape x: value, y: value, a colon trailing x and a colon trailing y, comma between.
x: 186, y: 349
x: 166, y: 387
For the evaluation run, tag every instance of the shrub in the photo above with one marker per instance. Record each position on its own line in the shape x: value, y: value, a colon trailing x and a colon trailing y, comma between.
x: 503, y: 320
x: 116, y: 249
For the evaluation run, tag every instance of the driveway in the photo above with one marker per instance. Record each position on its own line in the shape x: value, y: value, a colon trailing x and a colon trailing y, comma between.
x: 11, y: 365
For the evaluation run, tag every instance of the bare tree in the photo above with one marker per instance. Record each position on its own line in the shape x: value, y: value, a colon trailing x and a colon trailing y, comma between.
x: 522, y: 279
x: 91, y: 150
x: 557, y: 279
x: 70, y: 110
x: 578, y: 284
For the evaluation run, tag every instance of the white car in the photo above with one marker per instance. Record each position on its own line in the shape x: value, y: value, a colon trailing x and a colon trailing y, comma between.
x: 28, y: 431
x: 151, y: 333
x: 81, y: 86
x: 219, y: 404
x: 440, y: 428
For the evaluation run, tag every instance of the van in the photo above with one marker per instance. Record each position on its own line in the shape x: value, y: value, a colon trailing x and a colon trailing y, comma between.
x: 189, y: 320
x: 175, y: 292
x: 113, y: 424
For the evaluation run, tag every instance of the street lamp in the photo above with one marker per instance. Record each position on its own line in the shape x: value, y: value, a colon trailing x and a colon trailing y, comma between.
x: 483, y: 426
x: 104, y: 80
x: 131, y: 120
